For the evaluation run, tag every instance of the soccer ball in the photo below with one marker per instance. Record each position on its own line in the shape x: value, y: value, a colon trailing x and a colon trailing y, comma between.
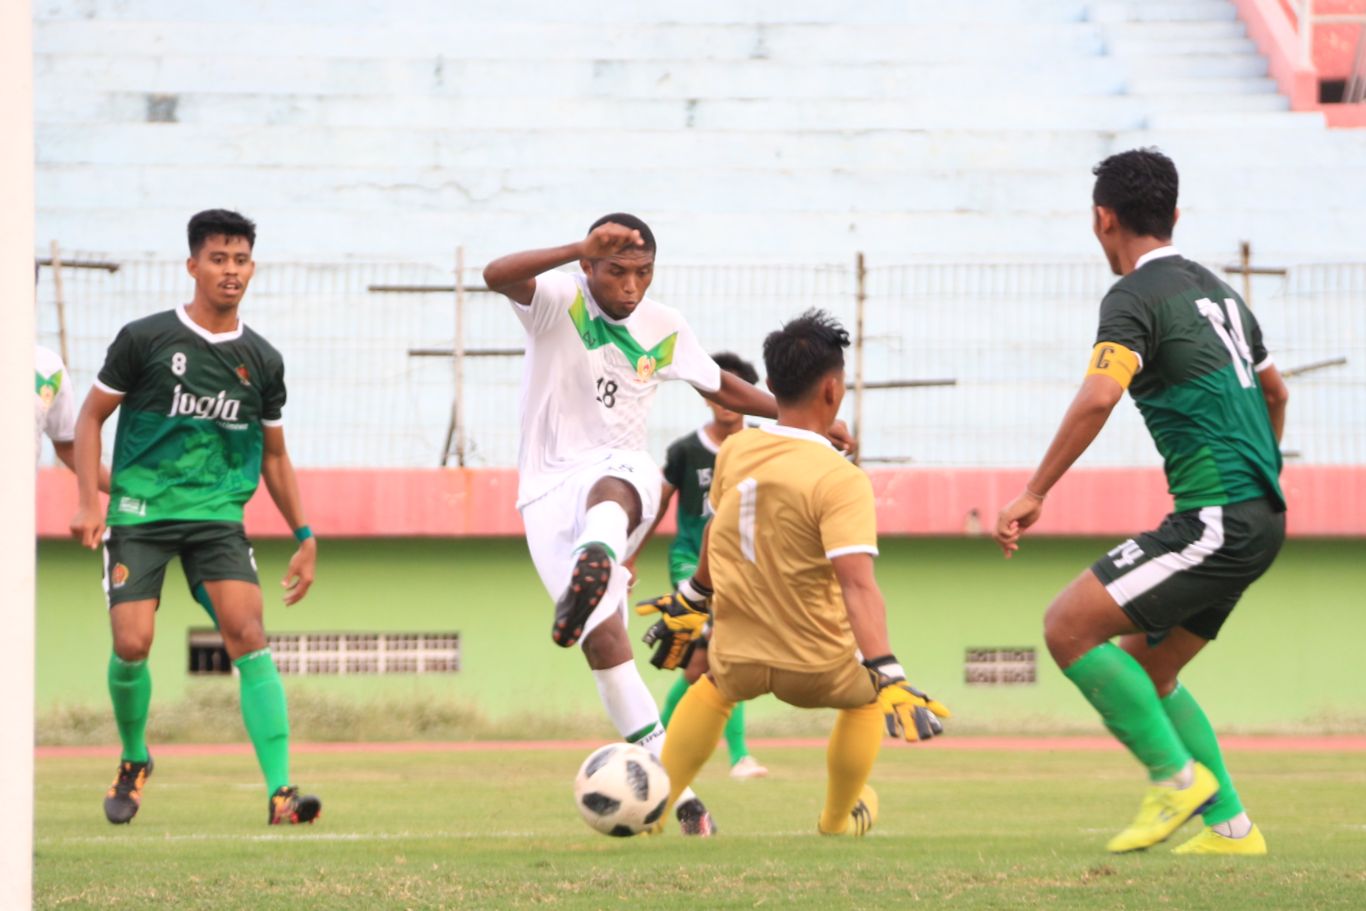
x: 621, y: 789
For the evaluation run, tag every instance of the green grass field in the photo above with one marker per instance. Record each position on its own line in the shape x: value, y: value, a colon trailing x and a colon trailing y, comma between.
x: 969, y: 830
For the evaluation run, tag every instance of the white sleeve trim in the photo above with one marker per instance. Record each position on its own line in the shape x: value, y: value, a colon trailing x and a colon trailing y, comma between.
x: 852, y: 549
x: 105, y: 387
x: 1266, y: 364
x: 278, y: 422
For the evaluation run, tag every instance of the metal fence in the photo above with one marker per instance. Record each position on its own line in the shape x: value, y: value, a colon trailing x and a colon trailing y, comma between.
x: 962, y: 363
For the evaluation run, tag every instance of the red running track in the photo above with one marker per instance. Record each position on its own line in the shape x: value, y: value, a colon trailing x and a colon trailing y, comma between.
x: 1328, y: 743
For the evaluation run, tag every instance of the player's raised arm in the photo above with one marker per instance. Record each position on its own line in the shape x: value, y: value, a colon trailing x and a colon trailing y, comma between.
x: 1276, y: 394
x: 514, y: 275
x: 87, y: 526
x: 746, y: 398
x: 1090, y: 409
x: 277, y: 470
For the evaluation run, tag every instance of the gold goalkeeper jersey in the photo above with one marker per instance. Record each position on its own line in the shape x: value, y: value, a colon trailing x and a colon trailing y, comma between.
x: 786, y: 503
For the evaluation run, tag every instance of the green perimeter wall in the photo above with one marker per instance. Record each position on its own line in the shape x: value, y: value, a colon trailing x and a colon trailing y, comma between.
x: 1292, y: 657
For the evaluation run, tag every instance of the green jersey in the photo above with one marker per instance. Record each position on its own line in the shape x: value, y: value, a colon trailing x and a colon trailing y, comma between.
x: 189, y: 439
x: 1199, y: 349
x: 687, y: 467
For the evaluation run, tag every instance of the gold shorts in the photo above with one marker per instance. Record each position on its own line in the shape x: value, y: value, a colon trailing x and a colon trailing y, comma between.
x: 845, y: 686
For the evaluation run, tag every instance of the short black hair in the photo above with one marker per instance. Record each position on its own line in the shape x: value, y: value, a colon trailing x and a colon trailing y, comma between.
x: 802, y: 353
x: 628, y: 221
x: 213, y: 222
x: 734, y: 363
x: 1139, y: 186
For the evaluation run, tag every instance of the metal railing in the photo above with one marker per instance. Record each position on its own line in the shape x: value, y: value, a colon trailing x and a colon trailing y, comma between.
x: 954, y: 364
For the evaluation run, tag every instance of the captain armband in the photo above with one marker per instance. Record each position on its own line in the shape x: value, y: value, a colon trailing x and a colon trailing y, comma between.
x: 1115, y: 361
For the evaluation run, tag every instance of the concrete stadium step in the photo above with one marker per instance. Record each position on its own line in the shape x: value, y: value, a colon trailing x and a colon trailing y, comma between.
x: 793, y: 43
x: 154, y: 144
x: 159, y: 146
x: 827, y: 237
x: 1234, y: 120
x: 1213, y: 85
x: 1123, y: 45
x: 697, y: 190
x: 1160, y: 10
x: 1180, y: 30
x: 61, y: 76
x: 69, y: 76
x: 1193, y: 65
x: 438, y: 12
x: 400, y: 112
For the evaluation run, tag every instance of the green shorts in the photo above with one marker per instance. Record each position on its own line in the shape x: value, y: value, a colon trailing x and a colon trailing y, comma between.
x: 1192, y: 570
x: 135, y: 557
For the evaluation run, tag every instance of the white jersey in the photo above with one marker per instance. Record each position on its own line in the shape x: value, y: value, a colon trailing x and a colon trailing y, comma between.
x: 56, y: 402
x: 588, y: 380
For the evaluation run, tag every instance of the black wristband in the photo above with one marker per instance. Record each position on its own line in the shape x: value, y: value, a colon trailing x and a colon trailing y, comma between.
x: 698, y: 587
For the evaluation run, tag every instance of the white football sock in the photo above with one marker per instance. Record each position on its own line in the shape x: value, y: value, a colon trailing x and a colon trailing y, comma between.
x: 630, y: 706
x: 632, y: 709
x: 605, y: 524
x: 1237, y: 827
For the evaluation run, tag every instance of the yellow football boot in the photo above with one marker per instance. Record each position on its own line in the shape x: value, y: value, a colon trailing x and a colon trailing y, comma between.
x: 861, y: 818
x: 1211, y: 842
x: 1165, y: 810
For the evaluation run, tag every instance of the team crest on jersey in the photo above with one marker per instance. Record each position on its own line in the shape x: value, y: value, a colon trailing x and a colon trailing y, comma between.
x: 243, y: 374
x: 645, y: 367
x: 118, y: 576
x: 47, y: 387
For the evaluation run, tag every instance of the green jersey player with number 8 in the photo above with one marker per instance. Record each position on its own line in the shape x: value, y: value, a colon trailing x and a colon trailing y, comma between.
x: 200, y: 399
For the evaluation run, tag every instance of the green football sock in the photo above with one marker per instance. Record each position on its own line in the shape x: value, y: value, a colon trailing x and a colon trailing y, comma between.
x: 735, y: 734
x: 265, y: 716
x: 130, y: 689
x: 1123, y: 694
x: 1197, y: 734
x: 671, y: 700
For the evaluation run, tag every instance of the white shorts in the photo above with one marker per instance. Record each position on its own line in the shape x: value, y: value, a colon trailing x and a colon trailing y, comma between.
x: 555, y: 520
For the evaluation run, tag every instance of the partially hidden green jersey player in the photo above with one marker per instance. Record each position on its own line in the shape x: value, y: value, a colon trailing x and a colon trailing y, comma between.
x: 200, y: 399
x: 1191, y: 354
x: 688, y: 467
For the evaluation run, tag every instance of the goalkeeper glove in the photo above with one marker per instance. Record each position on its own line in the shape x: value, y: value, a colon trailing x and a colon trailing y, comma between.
x: 684, y: 612
x: 909, y: 713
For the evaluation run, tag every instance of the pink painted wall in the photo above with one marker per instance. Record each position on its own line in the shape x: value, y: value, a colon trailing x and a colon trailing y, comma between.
x: 1324, y: 500
x: 1272, y: 26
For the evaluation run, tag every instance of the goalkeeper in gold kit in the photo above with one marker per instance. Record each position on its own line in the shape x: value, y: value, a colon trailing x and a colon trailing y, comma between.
x: 787, y: 571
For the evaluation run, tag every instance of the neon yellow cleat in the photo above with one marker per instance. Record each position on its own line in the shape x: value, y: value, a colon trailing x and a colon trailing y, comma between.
x: 861, y: 818
x: 1211, y: 842
x: 1165, y: 810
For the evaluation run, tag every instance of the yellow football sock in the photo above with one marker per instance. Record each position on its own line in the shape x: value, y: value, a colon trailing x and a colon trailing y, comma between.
x: 694, y: 730
x: 849, y: 761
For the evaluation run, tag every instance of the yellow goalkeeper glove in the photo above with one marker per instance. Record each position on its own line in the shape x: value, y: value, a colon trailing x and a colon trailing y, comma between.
x: 909, y: 713
x: 683, y: 614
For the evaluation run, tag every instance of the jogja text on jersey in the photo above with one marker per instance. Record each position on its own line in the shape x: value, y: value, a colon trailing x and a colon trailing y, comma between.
x: 204, y: 407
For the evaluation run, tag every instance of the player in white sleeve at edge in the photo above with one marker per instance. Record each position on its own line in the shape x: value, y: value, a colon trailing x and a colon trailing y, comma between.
x: 596, y: 351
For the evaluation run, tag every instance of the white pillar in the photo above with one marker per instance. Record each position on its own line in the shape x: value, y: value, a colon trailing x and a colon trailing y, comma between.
x: 16, y: 457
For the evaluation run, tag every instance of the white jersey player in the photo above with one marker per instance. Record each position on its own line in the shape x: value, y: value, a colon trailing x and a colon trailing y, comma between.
x: 56, y: 406
x: 597, y: 350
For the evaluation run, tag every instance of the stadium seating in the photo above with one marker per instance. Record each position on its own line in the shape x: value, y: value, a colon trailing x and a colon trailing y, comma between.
x: 744, y: 130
